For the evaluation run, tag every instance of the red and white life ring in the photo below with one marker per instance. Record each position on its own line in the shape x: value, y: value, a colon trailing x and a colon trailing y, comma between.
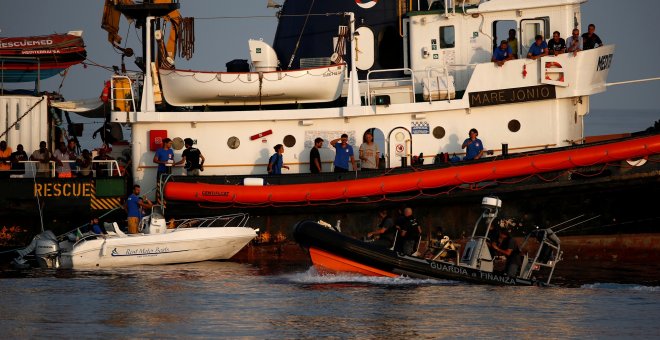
x: 549, y: 66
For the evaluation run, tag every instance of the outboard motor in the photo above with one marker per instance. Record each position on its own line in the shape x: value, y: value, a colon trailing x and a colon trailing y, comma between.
x: 47, y: 250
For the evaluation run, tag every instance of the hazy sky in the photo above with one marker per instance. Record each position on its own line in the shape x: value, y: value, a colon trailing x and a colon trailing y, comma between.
x: 624, y: 23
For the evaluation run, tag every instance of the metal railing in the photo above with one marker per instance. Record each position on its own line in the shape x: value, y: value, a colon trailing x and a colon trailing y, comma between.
x: 126, y: 104
x: 106, y: 168
x: 405, y: 69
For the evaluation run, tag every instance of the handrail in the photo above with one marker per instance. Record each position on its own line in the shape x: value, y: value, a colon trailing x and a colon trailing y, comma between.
x: 412, y: 80
x: 114, y: 166
x: 131, y: 100
x: 205, y: 222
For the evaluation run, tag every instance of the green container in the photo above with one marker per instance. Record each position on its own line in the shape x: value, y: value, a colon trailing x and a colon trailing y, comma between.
x: 110, y: 187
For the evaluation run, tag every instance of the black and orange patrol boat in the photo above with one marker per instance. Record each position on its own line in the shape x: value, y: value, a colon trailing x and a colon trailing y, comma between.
x: 334, y: 252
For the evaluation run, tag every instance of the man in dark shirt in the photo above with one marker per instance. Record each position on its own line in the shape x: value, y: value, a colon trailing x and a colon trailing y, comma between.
x: 102, y: 166
x: 386, y: 230
x: 192, y: 156
x: 556, y: 45
x: 410, y: 232
x: 17, y: 157
x: 506, y: 245
x: 590, y: 39
x: 315, y: 157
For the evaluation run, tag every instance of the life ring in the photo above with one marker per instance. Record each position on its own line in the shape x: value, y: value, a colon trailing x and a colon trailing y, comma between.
x: 548, y: 69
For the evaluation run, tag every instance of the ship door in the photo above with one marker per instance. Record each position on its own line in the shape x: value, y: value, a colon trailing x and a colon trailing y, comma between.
x: 399, y: 147
x: 528, y: 30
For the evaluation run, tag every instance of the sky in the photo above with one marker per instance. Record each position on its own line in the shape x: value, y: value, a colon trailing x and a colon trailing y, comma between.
x: 218, y: 41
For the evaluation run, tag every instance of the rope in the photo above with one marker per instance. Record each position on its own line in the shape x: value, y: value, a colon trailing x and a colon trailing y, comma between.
x: 21, y: 117
x: 341, y: 42
x: 295, y: 50
x: 186, y: 41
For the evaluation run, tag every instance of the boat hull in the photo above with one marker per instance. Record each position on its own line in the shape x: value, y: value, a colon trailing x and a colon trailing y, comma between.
x: 179, y: 246
x: 332, y: 251
x: 27, y: 59
x: 196, y: 88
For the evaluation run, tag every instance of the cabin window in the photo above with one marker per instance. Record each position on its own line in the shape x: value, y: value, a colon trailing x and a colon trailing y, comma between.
x: 447, y: 37
x: 289, y: 141
x: 438, y: 132
x: 233, y: 142
x: 514, y: 125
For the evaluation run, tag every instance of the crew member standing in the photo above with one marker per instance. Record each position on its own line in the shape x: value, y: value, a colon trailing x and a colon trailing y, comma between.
x: 315, y: 166
x: 133, y: 206
x: 5, y: 160
x: 193, y: 158
x: 164, y: 157
x: 343, y: 153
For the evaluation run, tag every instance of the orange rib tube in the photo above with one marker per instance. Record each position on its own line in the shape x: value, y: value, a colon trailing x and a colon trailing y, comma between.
x: 415, y: 181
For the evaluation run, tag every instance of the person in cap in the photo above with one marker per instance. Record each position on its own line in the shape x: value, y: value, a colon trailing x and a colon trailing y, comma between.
x: 193, y: 158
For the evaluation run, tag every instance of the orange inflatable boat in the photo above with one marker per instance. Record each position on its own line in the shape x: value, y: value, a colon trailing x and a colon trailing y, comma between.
x: 415, y: 181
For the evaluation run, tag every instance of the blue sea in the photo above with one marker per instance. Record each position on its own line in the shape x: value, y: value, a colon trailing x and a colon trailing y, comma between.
x: 275, y: 301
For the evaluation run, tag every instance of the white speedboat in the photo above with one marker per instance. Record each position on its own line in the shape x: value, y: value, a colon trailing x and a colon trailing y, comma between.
x: 178, y: 241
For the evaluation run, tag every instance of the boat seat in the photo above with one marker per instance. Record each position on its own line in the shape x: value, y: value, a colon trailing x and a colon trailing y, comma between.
x: 113, y: 229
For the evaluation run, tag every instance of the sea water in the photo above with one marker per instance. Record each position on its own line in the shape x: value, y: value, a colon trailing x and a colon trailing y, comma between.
x: 227, y: 299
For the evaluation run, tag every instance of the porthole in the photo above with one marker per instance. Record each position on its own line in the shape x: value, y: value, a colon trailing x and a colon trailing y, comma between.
x: 233, y: 142
x: 289, y: 141
x: 514, y: 125
x: 438, y: 132
x: 177, y: 143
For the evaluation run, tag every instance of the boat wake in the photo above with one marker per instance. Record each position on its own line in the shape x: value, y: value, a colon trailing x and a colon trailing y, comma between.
x: 621, y: 286
x: 312, y: 276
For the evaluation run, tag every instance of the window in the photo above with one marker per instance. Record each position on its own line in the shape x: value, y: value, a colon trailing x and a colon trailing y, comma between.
x: 447, y: 37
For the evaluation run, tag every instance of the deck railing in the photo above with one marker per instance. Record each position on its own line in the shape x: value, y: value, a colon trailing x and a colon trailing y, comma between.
x: 104, y: 168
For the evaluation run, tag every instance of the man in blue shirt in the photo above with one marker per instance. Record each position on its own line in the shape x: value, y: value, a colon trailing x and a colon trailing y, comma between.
x: 538, y: 49
x: 343, y: 153
x: 164, y: 157
x: 276, y: 161
x: 475, y: 148
x: 133, y: 206
x: 502, y: 54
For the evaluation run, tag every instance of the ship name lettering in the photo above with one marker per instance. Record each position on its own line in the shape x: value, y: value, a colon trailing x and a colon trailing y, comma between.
x: 604, y: 62
x: 58, y: 189
x: 498, y: 278
x: 514, y: 95
x: 26, y: 43
x: 448, y: 268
